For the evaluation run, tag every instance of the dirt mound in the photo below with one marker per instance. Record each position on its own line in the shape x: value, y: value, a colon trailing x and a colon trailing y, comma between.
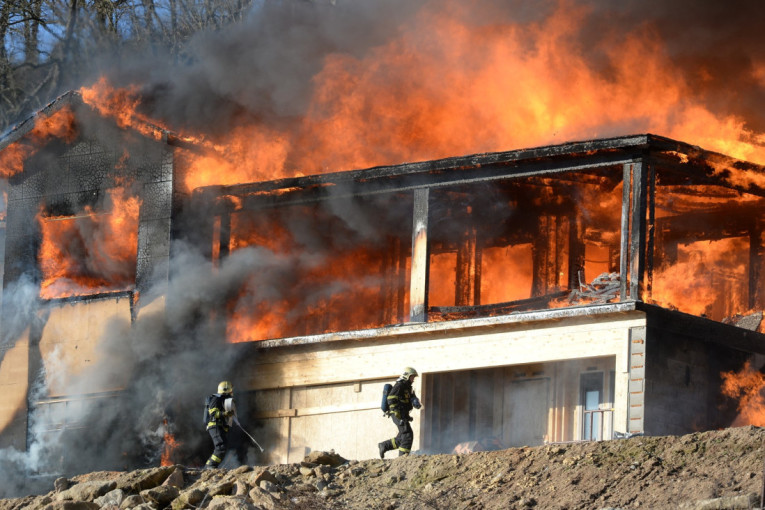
x: 718, y: 469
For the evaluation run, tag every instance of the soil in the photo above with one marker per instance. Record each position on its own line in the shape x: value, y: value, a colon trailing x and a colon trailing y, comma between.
x: 640, y: 472
x: 705, y: 470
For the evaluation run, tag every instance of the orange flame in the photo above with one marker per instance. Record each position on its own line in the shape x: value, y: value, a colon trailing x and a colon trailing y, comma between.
x: 316, y: 290
x: 60, y: 124
x: 416, y: 99
x: 170, y: 445
x: 120, y: 105
x: 747, y: 386
x: 705, y: 272
x: 90, y: 252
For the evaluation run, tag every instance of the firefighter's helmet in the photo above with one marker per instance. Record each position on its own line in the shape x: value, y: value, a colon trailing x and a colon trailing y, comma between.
x: 225, y: 387
x: 409, y: 372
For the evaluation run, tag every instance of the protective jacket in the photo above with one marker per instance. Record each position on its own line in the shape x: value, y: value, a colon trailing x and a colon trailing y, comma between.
x: 219, y: 411
x: 402, y: 399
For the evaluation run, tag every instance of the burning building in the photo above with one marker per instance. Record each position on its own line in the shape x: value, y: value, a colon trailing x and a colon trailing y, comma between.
x: 569, y: 292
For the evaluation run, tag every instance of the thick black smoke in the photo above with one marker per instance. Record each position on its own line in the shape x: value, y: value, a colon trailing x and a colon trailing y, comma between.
x: 718, y: 46
x: 263, y: 69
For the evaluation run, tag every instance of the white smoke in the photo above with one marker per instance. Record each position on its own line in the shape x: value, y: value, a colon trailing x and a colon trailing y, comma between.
x: 171, y: 359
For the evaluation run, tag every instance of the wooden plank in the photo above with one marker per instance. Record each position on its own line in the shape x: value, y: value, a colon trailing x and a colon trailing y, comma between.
x: 418, y: 292
x: 225, y: 236
x: 625, y: 230
x: 279, y: 413
x: 492, y: 347
x: 651, y: 229
x: 461, y: 408
x: 468, y: 278
x: 638, y: 231
x: 755, y: 261
x: 14, y: 383
x: 311, y: 411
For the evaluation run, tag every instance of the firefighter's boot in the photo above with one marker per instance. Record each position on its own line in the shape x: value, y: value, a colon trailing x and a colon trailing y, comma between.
x: 384, y: 447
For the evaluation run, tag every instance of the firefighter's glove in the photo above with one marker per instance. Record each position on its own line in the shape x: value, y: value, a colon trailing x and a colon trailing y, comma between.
x: 397, y: 415
x: 409, y: 418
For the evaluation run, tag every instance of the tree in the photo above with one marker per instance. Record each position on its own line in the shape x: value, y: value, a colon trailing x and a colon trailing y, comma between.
x: 47, y: 46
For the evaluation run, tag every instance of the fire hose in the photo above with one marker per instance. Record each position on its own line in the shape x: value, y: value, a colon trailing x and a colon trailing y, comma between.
x: 236, y: 420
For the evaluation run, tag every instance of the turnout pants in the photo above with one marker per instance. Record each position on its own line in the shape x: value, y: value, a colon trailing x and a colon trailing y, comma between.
x: 403, y: 441
x: 219, y: 437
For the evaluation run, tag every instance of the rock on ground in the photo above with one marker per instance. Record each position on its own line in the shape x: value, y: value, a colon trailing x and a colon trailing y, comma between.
x: 702, y: 471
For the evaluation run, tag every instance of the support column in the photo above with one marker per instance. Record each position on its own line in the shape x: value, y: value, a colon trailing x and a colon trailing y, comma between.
x: 755, y: 259
x: 650, y: 232
x: 633, y: 236
x: 625, y: 231
x: 467, y: 289
x: 638, y: 231
x: 418, y: 289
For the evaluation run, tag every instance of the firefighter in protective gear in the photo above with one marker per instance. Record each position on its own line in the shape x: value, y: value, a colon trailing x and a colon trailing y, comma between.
x: 401, y: 400
x: 219, y: 414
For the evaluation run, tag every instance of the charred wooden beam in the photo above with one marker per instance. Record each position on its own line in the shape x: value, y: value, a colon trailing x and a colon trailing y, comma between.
x: 638, y: 230
x: 625, y: 231
x: 585, y: 156
x: 576, y: 250
x: 755, y: 261
x: 651, y: 227
x: 468, y: 284
x: 465, y: 312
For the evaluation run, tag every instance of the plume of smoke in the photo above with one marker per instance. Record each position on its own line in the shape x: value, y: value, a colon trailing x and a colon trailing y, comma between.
x: 165, y: 363
x: 19, y: 300
x: 264, y: 67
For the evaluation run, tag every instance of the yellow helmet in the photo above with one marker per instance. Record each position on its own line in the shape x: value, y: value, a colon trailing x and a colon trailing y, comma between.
x: 409, y: 372
x: 225, y: 387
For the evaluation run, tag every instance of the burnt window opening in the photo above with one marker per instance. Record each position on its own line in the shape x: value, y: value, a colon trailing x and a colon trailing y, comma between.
x: 91, y: 248
x: 616, y: 220
x: 707, y: 255
x: 522, y: 243
x: 319, y: 267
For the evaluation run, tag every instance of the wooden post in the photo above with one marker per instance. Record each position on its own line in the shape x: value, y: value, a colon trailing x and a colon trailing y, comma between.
x: 576, y: 250
x: 225, y: 235
x: 651, y: 231
x: 625, y: 231
x: 468, y: 274
x: 540, y: 253
x: 638, y: 231
x: 418, y: 289
x: 755, y: 259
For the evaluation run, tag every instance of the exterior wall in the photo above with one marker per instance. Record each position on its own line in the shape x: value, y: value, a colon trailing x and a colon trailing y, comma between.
x: 683, y: 383
x: 69, y: 341
x: 328, y: 372
x: 636, y: 388
x: 64, y: 178
x: 14, y: 376
x: 155, y: 220
x: 342, y: 416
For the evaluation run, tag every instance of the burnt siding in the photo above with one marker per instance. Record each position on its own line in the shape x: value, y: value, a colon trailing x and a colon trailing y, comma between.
x: 155, y: 220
